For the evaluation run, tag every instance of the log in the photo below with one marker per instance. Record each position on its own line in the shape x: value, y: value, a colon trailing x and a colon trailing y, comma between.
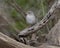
x: 7, y: 42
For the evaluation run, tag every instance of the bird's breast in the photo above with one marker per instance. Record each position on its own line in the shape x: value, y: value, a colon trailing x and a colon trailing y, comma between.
x: 30, y: 19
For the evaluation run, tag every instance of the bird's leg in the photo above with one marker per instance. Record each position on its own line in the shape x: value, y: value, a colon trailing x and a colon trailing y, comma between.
x: 31, y: 25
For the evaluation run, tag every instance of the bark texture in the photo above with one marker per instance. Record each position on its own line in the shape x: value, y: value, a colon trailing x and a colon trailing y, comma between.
x: 6, y: 42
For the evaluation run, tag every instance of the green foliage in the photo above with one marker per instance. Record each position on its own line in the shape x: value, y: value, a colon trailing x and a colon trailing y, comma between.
x: 14, y: 13
x: 20, y: 22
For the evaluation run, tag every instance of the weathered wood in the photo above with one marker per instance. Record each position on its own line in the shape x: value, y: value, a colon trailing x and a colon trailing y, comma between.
x: 7, y: 42
x: 45, y: 45
x: 53, y: 36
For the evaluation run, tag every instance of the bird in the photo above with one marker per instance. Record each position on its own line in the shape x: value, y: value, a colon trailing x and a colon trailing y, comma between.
x: 30, y: 18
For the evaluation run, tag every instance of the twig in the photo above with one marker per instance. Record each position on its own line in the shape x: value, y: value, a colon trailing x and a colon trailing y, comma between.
x: 18, y: 8
x: 10, y: 23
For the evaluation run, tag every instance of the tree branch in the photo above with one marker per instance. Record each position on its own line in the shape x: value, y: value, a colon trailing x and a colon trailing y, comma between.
x: 40, y: 24
x: 7, y: 42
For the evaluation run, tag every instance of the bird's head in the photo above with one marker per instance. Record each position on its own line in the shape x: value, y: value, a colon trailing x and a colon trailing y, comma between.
x: 30, y: 13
